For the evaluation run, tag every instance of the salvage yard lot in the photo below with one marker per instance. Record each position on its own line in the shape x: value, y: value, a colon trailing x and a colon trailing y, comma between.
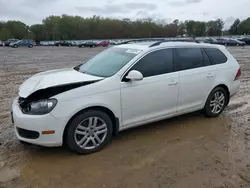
x: 184, y: 152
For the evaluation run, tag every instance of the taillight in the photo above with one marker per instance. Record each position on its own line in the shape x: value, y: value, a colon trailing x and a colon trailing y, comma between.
x: 238, y: 75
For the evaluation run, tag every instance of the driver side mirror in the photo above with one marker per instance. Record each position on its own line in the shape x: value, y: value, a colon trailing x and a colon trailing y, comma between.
x: 134, y: 75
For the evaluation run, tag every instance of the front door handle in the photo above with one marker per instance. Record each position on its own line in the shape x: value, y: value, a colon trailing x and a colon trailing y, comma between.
x: 210, y: 75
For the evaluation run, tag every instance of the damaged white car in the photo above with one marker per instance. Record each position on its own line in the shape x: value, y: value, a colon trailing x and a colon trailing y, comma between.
x: 123, y: 87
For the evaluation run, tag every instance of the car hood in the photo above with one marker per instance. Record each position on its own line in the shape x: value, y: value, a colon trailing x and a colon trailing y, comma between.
x: 54, y: 78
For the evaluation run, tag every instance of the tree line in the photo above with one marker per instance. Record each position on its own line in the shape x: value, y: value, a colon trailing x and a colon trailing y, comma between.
x: 67, y: 27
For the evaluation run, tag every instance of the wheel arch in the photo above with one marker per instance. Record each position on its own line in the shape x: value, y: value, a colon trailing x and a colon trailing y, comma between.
x: 115, y: 120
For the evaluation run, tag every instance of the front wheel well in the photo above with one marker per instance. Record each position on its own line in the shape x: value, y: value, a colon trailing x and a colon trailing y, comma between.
x: 114, y: 119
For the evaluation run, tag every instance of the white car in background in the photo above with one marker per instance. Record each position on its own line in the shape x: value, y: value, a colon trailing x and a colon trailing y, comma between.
x: 122, y: 87
x: 1, y: 43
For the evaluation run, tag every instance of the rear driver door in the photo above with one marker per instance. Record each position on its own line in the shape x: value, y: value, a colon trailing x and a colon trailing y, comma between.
x: 196, y: 78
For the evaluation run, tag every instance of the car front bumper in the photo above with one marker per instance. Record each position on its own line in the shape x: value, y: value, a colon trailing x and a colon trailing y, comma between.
x: 33, y: 128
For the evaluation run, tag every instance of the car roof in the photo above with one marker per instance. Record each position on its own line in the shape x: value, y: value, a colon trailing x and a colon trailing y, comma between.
x: 146, y: 45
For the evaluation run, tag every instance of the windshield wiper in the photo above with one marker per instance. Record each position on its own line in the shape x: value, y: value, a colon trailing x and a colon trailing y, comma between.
x: 77, y: 68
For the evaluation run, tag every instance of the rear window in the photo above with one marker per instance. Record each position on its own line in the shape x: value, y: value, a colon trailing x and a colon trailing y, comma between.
x: 188, y: 58
x: 216, y: 56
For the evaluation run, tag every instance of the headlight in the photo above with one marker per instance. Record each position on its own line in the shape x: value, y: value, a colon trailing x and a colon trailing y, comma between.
x: 40, y: 107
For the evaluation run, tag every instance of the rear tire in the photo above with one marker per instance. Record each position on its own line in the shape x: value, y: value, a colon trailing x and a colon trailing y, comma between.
x: 30, y: 46
x: 216, y: 102
x: 89, y: 132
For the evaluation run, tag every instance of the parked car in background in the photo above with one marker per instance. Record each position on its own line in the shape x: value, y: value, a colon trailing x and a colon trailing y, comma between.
x: 51, y: 43
x: 103, y: 43
x: 90, y: 44
x: 245, y: 39
x: 112, y: 42
x: 9, y: 41
x: 28, y: 43
x: 211, y: 41
x: 123, y: 87
x: 1, y: 43
x: 38, y: 43
x: 221, y: 41
x: 73, y: 43
x: 63, y: 43
x: 234, y: 42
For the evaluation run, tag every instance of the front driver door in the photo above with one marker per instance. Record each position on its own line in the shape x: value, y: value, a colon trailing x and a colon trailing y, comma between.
x: 154, y: 97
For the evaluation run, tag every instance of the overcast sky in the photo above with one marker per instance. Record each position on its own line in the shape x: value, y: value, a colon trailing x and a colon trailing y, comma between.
x: 33, y: 11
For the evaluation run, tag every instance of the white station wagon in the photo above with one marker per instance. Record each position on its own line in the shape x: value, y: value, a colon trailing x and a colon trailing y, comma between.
x: 122, y: 87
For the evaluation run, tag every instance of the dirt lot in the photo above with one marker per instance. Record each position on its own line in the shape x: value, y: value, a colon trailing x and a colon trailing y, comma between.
x: 185, y: 152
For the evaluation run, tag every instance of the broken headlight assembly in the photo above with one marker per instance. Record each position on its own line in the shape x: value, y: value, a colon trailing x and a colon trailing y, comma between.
x: 40, y: 107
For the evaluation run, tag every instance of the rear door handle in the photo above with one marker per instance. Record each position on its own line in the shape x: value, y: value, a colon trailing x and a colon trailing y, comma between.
x: 172, y: 83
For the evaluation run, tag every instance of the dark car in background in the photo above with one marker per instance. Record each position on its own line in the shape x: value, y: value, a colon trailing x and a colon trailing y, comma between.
x: 90, y: 44
x: 221, y: 41
x: 230, y: 42
x: 245, y: 39
x: 38, y: 43
x: 9, y: 41
x: 211, y: 41
x: 103, y: 43
x: 28, y: 43
x: 234, y: 42
x: 63, y: 43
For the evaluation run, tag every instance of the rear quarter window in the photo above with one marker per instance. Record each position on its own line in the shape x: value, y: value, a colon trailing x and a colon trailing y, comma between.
x: 216, y: 56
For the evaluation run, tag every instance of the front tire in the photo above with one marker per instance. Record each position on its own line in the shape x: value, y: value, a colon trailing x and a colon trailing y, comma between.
x: 216, y: 102
x: 89, y: 132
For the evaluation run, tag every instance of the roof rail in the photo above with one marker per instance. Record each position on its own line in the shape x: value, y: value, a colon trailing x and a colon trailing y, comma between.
x: 173, y: 40
x: 158, y: 41
x: 141, y: 40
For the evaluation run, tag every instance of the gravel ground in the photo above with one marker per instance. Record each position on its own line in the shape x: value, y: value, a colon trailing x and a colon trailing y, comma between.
x: 184, y: 152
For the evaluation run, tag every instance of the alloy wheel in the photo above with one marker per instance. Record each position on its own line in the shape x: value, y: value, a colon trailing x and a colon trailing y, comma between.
x: 217, y: 102
x: 90, y: 133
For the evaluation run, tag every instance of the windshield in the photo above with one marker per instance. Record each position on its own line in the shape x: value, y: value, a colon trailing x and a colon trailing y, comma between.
x: 108, y: 62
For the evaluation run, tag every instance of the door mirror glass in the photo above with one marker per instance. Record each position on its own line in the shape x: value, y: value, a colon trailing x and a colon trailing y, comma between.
x: 134, y: 75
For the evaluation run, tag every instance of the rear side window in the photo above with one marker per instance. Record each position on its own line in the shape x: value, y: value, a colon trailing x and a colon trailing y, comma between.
x: 156, y: 63
x: 216, y: 56
x: 188, y: 58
